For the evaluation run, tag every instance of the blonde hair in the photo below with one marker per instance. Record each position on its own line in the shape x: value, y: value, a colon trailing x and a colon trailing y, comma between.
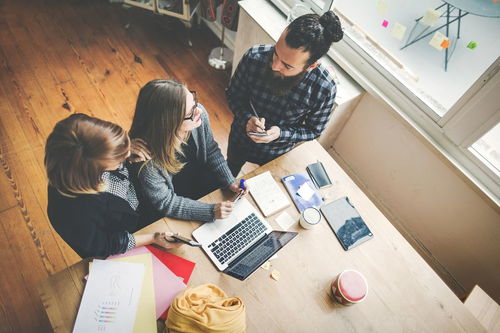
x: 78, y: 151
x: 159, y: 113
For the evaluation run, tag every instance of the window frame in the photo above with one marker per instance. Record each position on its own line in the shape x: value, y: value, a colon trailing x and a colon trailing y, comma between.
x: 473, y: 115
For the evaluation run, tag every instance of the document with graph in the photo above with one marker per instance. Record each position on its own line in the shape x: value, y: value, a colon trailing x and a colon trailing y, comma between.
x: 109, y: 301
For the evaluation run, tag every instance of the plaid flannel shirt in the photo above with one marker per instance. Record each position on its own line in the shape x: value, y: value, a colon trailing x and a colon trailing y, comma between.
x: 302, y: 114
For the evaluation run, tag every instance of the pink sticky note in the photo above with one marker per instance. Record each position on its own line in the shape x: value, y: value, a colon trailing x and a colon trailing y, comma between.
x: 167, y: 285
x: 385, y: 23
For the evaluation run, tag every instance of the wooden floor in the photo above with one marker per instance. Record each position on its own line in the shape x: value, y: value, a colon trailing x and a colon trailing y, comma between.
x: 58, y: 57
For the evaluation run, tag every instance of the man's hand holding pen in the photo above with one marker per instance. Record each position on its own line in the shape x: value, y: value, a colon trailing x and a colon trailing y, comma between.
x: 256, y: 125
x: 256, y: 128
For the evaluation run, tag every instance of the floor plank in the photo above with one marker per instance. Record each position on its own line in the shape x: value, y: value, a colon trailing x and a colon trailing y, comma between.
x: 59, y: 57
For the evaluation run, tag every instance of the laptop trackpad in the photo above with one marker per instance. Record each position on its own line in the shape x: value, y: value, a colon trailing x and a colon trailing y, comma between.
x: 258, y: 254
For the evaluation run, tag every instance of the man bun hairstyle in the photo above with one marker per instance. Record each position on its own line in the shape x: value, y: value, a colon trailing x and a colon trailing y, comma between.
x: 314, y: 34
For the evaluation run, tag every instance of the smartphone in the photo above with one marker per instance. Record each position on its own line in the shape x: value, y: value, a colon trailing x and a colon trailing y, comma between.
x: 185, y: 240
x: 257, y: 133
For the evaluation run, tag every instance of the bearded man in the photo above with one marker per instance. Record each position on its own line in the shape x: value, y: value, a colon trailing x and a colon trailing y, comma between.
x: 280, y: 94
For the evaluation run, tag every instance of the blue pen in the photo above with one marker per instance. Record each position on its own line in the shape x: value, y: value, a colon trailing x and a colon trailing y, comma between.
x: 242, y: 188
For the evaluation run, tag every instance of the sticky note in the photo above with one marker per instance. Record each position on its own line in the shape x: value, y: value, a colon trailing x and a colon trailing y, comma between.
x: 382, y: 7
x: 285, y: 221
x: 445, y: 44
x: 437, y: 40
x: 266, y: 265
x: 398, y: 31
x: 430, y: 18
x: 305, y: 191
x: 385, y: 23
x: 472, y: 44
x: 275, y: 274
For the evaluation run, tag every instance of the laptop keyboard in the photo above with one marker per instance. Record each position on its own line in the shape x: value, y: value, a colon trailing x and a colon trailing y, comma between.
x: 239, y: 236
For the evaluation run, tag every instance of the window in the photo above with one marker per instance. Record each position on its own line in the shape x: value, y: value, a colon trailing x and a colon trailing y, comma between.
x: 457, y: 107
x: 487, y: 148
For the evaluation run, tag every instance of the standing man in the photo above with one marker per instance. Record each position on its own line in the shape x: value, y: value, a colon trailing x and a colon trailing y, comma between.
x: 281, y: 95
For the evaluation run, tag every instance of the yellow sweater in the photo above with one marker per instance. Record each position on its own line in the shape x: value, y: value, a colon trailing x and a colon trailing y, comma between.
x: 206, y: 308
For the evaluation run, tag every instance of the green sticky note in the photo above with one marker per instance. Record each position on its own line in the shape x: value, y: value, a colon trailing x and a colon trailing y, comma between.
x: 472, y: 45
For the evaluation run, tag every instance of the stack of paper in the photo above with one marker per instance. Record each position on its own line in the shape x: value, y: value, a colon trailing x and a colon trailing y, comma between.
x: 153, y: 277
x: 110, y: 298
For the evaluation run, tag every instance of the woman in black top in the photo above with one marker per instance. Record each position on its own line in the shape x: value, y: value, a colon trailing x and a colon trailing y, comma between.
x: 92, y: 202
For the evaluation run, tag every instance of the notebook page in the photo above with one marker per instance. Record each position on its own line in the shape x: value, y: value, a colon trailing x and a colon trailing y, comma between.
x: 267, y: 193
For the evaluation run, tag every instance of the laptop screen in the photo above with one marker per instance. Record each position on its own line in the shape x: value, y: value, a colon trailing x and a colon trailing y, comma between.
x: 258, y: 254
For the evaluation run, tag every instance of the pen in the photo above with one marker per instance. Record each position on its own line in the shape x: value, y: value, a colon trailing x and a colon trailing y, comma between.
x: 253, y: 109
x: 242, y: 188
x: 254, y: 112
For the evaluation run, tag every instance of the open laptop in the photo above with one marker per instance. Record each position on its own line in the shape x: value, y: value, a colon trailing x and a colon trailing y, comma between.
x: 241, y: 243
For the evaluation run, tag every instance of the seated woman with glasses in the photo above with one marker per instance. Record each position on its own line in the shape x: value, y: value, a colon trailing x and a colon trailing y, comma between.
x: 186, y: 161
x: 92, y: 203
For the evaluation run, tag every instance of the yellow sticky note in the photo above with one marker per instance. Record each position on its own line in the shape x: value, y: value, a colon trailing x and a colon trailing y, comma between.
x: 382, y: 7
x: 398, y: 31
x: 437, y: 40
x: 145, y: 318
x: 266, y: 265
x: 431, y: 17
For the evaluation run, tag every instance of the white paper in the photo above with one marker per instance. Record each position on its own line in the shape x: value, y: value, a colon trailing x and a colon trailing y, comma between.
x: 305, y: 191
x: 267, y: 194
x: 285, y: 221
x: 109, y: 301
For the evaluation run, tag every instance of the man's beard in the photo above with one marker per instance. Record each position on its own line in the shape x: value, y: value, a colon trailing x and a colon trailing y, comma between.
x: 281, y: 85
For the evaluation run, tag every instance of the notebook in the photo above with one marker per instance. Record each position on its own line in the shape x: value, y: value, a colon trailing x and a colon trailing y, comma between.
x: 267, y: 193
x: 345, y: 221
x: 241, y: 243
x: 302, y: 191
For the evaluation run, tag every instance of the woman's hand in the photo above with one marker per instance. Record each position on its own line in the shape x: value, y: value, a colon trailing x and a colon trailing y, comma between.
x: 139, y: 151
x: 235, y: 187
x: 223, y: 209
x: 164, y: 240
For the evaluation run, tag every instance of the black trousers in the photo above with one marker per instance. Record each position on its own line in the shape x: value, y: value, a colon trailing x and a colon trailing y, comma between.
x: 195, y: 181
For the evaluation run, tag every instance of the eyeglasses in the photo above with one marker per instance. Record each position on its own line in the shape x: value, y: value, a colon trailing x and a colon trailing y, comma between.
x: 195, y: 97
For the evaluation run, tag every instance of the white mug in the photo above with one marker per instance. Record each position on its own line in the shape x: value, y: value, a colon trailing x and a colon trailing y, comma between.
x: 309, y: 218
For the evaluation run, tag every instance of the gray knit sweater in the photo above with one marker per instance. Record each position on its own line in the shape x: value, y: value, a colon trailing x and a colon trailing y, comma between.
x: 158, y: 187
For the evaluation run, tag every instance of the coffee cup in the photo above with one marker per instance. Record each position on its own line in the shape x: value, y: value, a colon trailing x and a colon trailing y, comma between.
x: 349, y: 287
x: 309, y: 218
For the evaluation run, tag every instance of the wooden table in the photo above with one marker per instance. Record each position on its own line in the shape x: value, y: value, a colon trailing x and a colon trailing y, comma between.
x: 405, y: 294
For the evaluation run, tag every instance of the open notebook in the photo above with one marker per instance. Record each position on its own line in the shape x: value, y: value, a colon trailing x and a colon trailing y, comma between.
x: 267, y: 193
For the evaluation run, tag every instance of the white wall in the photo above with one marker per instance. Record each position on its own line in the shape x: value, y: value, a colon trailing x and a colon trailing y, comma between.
x: 421, y: 191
